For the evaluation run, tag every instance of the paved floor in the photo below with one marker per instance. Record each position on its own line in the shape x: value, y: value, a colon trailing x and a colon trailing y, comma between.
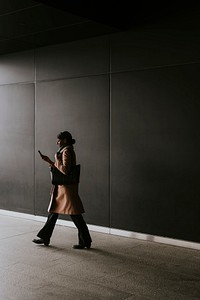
x: 115, y: 268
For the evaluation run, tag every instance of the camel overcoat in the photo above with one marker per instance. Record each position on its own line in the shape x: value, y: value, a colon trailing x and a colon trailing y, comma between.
x: 65, y: 198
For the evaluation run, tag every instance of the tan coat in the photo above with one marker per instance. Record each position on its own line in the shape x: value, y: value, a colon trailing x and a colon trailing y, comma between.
x: 65, y: 198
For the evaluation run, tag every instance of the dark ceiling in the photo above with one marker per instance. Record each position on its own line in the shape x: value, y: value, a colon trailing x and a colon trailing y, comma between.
x: 28, y: 24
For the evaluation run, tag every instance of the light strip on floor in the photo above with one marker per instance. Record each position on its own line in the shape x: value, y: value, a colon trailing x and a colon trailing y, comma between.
x: 107, y: 230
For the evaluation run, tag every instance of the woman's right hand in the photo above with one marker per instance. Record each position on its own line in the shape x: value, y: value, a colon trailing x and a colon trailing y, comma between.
x: 47, y: 159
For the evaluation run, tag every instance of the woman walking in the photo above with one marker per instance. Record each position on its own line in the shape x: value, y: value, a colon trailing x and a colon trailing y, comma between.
x: 64, y: 198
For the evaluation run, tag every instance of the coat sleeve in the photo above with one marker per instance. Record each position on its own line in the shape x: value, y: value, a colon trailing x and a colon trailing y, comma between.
x: 63, y: 162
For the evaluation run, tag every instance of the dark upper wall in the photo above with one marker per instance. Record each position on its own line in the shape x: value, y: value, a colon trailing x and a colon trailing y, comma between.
x: 131, y: 101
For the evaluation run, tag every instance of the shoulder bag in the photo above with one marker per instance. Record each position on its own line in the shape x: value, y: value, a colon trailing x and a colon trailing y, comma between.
x: 58, y: 178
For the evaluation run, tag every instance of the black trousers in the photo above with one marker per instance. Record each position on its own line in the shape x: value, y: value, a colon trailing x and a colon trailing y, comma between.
x: 84, y: 237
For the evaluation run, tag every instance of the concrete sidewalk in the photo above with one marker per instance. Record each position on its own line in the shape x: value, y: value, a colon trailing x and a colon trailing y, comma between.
x: 115, y: 268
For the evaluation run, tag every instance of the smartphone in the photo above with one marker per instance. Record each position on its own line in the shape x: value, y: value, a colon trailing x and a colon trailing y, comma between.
x: 40, y: 154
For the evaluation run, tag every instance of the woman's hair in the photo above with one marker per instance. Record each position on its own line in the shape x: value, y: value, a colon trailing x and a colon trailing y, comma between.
x: 66, y: 135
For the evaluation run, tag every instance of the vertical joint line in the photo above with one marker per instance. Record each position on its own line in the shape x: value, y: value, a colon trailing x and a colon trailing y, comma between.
x: 34, y: 198
x: 110, y: 204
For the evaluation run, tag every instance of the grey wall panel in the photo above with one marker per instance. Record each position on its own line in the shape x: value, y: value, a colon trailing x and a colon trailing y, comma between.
x: 17, y: 67
x: 173, y: 40
x: 80, y: 58
x: 17, y: 147
x: 155, y: 152
x: 80, y: 106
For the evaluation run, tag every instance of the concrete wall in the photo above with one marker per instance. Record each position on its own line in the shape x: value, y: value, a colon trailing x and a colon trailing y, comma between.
x: 131, y: 100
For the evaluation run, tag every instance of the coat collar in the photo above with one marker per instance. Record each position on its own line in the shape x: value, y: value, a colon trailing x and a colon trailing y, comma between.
x: 61, y: 149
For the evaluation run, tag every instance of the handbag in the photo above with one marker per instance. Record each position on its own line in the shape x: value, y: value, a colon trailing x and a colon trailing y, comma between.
x: 58, y: 178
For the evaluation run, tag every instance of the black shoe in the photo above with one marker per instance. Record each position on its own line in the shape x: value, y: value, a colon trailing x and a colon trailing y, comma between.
x: 82, y: 246
x: 41, y: 242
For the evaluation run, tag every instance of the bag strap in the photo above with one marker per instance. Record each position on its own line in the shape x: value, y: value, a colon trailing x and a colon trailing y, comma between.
x: 71, y: 151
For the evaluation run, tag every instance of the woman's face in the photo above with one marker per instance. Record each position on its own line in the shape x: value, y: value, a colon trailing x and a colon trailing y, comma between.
x: 61, y: 143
